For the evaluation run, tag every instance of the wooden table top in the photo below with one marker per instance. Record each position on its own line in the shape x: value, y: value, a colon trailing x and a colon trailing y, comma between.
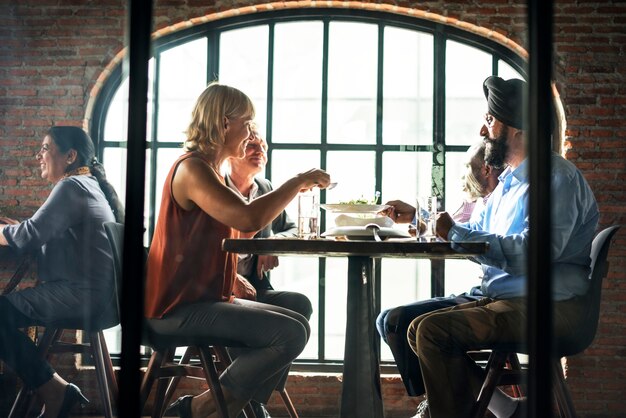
x: 337, y: 248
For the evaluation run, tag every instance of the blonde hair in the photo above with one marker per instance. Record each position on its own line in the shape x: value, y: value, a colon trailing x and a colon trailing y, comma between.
x: 472, y: 185
x: 206, y: 129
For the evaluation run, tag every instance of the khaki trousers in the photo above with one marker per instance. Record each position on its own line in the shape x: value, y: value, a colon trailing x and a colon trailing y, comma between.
x: 441, y: 340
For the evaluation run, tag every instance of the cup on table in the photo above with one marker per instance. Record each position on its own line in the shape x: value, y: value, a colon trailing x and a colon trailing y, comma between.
x: 308, y: 216
x: 426, y: 214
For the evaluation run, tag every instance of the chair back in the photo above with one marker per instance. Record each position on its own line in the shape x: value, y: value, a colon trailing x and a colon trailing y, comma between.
x: 115, y: 233
x: 583, y: 337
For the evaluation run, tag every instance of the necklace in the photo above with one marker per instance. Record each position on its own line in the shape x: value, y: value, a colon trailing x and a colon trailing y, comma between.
x: 78, y: 171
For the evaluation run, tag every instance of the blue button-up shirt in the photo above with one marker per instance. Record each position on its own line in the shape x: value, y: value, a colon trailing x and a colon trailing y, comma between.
x: 504, y: 225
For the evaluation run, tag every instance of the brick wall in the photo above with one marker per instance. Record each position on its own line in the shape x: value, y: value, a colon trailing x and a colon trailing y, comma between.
x: 53, y: 55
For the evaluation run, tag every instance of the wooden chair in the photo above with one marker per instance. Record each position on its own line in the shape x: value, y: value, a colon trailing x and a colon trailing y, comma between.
x: 95, y: 346
x: 162, y: 368
x: 222, y: 360
x: 570, y: 345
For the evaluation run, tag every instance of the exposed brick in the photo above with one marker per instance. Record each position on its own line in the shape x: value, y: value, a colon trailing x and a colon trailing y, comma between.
x: 52, y: 53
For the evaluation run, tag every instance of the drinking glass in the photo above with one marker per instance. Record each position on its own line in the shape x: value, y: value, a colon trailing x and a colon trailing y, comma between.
x: 308, y: 216
x: 426, y: 213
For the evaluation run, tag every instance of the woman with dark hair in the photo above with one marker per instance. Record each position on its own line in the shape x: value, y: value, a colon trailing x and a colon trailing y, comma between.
x: 74, y: 258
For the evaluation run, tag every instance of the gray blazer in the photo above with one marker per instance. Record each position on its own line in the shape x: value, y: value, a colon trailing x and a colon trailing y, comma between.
x: 75, y: 260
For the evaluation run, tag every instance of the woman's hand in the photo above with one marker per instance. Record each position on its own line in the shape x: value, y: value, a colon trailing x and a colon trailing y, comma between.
x: 399, y: 212
x: 5, y: 221
x: 315, y: 177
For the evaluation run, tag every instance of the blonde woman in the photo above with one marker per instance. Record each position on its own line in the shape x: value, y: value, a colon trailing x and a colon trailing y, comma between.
x: 189, y: 289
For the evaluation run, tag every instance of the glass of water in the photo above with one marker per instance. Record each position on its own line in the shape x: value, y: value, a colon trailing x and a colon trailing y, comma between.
x: 426, y: 210
x: 308, y: 216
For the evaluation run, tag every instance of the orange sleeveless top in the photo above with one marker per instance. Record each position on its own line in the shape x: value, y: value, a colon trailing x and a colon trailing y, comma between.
x: 186, y: 263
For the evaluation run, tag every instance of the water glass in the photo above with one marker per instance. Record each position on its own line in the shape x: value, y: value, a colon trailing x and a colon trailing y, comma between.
x: 426, y: 214
x: 308, y: 216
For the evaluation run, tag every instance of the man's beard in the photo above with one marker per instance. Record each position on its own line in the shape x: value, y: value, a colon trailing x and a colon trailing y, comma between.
x: 497, y: 149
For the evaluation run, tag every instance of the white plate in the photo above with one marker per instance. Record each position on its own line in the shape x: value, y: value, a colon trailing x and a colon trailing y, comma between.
x: 346, y: 208
x: 362, y: 220
x: 362, y: 233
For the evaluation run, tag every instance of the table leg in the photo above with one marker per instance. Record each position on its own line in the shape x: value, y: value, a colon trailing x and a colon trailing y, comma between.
x: 361, y: 396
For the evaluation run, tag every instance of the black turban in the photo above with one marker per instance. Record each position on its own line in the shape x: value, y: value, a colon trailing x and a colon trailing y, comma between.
x: 505, y: 100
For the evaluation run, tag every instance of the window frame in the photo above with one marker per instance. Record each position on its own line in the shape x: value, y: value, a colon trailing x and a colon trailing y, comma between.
x: 211, y: 30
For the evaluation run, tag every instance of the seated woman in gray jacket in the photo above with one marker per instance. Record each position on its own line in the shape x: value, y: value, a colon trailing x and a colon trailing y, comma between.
x: 74, y: 260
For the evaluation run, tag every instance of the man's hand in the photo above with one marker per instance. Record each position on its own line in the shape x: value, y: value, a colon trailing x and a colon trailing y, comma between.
x: 399, y: 212
x: 444, y: 223
x: 243, y: 289
x: 265, y: 263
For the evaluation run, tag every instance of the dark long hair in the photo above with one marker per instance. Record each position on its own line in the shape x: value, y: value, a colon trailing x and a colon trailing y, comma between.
x: 72, y: 137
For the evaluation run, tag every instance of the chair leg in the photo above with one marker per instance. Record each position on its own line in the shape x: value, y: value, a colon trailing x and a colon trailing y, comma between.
x: 25, y: 398
x: 171, y: 388
x: 494, y: 371
x: 514, y: 364
x: 561, y: 392
x: 110, y: 373
x: 159, y: 399
x: 22, y: 403
x: 288, y: 404
x: 211, y: 373
x: 154, y: 364
x: 97, y: 351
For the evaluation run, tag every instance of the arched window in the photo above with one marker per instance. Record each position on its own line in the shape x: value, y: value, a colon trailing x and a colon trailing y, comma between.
x: 383, y: 102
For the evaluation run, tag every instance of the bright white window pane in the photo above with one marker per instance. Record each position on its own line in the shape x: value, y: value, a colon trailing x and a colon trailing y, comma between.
x: 335, y: 319
x: 165, y: 160
x: 116, y: 125
x: 411, y: 276
x: 114, y: 162
x: 182, y: 79
x: 243, y: 64
x: 300, y: 274
x: 408, y: 87
x: 507, y: 72
x: 465, y: 100
x: 455, y: 169
x: 297, y: 82
x: 403, y: 281
x: 461, y: 276
x: 355, y: 173
x: 352, y: 70
x: 150, y: 110
x: 406, y: 175
x: 288, y: 163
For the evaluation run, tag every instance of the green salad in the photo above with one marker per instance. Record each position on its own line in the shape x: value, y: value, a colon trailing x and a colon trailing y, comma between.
x: 361, y: 201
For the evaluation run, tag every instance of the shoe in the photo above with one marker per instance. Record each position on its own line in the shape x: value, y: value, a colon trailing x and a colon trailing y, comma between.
x: 258, y: 409
x: 73, y: 395
x: 181, y: 407
x: 422, y: 410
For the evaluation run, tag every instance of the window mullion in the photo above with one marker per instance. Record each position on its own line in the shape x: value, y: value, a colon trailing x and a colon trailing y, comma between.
x: 270, y: 96
x: 153, y: 146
